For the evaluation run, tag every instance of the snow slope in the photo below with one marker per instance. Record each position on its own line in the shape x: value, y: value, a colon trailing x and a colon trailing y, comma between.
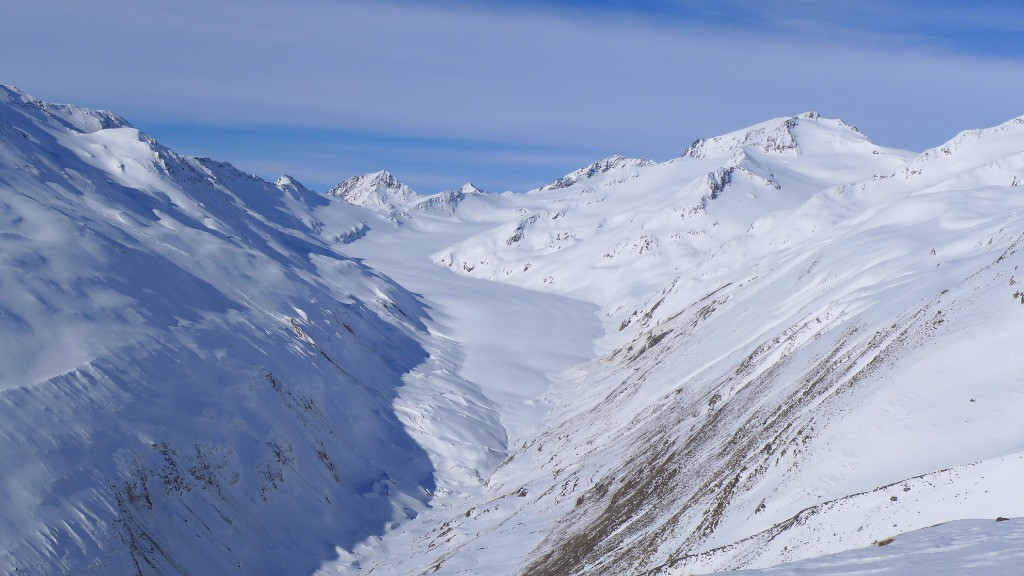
x: 786, y: 343
x: 832, y: 360
x: 512, y: 345
x: 621, y: 228
x: 976, y: 547
x: 196, y: 379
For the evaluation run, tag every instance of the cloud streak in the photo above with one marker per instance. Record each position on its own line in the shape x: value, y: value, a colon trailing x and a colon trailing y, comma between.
x: 566, y: 78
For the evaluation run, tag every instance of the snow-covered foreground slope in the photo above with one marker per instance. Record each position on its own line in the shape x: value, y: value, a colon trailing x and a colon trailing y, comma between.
x: 195, y: 379
x: 786, y: 343
x: 975, y: 547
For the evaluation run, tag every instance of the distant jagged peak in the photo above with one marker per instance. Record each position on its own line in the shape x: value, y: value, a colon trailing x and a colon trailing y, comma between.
x: 78, y: 119
x: 384, y: 179
x: 470, y: 189
x: 373, y: 188
x: 383, y: 193
x: 776, y: 136
x: 467, y: 189
x: 287, y: 181
x: 814, y: 116
x: 603, y: 165
x: 379, y: 191
x: 447, y: 202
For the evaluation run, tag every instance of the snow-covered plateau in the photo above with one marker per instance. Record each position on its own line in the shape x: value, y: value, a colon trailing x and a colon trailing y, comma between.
x: 786, y: 351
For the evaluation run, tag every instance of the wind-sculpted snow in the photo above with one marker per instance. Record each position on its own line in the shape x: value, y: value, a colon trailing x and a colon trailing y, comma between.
x: 193, y: 381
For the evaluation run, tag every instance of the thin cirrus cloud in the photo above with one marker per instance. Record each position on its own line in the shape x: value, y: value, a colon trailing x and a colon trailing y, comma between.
x: 510, y: 98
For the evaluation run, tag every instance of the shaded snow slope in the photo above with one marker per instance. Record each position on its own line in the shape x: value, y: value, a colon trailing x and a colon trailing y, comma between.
x: 193, y: 382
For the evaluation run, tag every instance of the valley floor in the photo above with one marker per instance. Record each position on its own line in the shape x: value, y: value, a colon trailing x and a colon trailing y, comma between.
x: 510, y: 346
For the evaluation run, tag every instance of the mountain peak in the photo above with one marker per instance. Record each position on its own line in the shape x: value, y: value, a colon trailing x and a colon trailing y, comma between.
x: 603, y: 165
x: 777, y: 136
x: 771, y: 136
x: 379, y: 191
x: 373, y: 183
x: 288, y: 183
x: 286, y: 180
x: 79, y: 119
x: 470, y: 188
x: 385, y: 179
x: 10, y: 94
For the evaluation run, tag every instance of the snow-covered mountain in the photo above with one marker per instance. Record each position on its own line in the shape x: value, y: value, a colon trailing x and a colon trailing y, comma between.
x: 382, y: 192
x: 785, y: 343
x: 827, y: 360
x: 634, y: 225
x: 194, y: 379
x: 617, y: 163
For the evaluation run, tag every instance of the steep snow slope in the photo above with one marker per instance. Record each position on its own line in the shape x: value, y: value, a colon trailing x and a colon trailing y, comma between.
x: 193, y: 381
x: 834, y: 368
x: 824, y: 398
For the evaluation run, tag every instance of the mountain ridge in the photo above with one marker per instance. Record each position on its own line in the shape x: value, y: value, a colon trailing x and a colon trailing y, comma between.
x: 187, y: 363
x: 382, y: 192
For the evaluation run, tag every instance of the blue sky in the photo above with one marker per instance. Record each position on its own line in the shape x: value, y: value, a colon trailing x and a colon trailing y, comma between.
x: 509, y: 95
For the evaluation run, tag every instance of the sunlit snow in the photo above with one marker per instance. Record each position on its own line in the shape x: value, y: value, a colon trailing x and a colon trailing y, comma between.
x: 788, y: 344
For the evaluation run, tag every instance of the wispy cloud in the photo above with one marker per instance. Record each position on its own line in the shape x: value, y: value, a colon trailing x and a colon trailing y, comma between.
x: 323, y: 157
x: 637, y: 81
